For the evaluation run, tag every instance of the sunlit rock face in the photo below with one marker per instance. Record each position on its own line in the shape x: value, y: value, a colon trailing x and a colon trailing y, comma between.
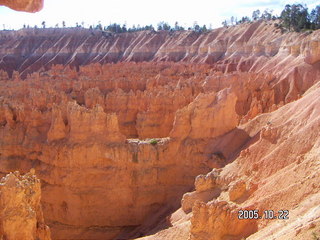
x: 23, y: 5
x: 100, y: 165
x: 119, y: 126
x: 21, y: 214
x: 275, y: 171
x: 243, y: 48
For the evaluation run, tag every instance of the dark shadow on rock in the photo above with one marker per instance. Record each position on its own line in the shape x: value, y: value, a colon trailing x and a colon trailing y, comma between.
x: 225, y: 149
x: 156, y: 222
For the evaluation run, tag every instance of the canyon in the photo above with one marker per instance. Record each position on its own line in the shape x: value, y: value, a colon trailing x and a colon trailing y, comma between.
x: 164, y: 135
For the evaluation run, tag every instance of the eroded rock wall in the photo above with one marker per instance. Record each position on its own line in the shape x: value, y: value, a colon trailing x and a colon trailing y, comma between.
x: 97, y: 182
x: 270, y: 173
x: 116, y: 143
x: 237, y: 48
x: 21, y: 216
x: 275, y: 170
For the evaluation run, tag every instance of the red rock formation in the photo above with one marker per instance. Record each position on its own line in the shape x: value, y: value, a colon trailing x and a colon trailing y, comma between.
x: 81, y: 154
x: 241, y: 48
x: 206, y: 116
x: 23, y: 5
x: 116, y: 143
x: 21, y: 215
x: 276, y: 170
x: 217, y: 220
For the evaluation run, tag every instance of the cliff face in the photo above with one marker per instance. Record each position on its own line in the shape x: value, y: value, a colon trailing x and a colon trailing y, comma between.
x: 116, y: 144
x: 270, y: 173
x: 240, y: 48
x: 21, y: 216
x: 275, y: 169
x: 78, y: 138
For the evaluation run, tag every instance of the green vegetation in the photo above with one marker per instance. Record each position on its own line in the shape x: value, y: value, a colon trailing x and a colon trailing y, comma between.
x: 315, y: 18
x: 164, y: 26
x: 153, y: 142
x: 117, y: 28
x: 295, y: 17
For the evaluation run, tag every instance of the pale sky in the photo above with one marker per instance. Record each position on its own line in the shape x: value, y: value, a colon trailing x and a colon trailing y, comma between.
x: 143, y: 12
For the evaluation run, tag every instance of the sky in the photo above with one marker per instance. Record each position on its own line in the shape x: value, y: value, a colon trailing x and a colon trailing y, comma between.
x: 143, y: 12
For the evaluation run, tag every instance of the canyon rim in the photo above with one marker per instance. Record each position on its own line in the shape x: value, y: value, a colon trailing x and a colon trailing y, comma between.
x: 160, y: 134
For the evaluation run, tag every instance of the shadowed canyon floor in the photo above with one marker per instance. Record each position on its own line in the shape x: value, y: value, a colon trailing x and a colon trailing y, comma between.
x: 165, y: 134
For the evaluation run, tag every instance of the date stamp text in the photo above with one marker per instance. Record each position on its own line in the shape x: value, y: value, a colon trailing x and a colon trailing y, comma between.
x: 266, y: 214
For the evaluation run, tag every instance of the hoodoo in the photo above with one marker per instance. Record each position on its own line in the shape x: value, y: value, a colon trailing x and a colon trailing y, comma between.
x: 160, y: 134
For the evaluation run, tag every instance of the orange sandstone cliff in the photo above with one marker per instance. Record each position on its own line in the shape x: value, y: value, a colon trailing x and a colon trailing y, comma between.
x: 165, y: 134
x: 276, y: 169
x: 239, y: 48
x: 21, y: 215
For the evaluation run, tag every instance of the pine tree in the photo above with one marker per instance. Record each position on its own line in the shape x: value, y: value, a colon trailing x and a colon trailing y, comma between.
x: 204, y: 28
x: 315, y: 18
x: 225, y: 23
x: 295, y: 17
x: 256, y: 15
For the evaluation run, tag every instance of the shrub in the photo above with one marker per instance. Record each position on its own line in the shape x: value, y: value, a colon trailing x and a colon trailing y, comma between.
x: 153, y: 141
